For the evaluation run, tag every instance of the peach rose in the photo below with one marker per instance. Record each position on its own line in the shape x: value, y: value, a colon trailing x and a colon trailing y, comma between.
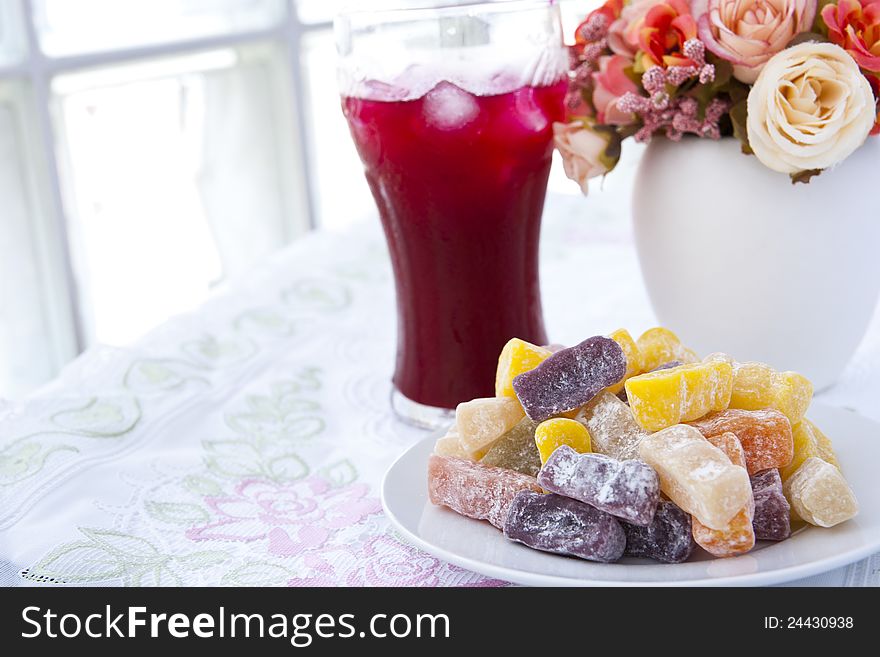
x: 809, y: 109
x: 749, y: 32
x: 582, y: 150
x: 610, y: 82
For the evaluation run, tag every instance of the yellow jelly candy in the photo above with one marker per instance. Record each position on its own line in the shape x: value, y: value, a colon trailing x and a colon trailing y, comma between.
x: 558, y: 431
x: 757, y: 386
x: 808, y: 442
x: 518, y: 356
x: 659, y: 346
x: 666, y: 397
x: 632, y: 355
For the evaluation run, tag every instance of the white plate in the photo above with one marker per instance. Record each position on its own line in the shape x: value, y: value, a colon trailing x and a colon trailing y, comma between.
x: 479, y: 547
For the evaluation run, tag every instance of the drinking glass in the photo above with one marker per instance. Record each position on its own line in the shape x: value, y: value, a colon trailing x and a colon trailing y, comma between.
x: 451, y: 109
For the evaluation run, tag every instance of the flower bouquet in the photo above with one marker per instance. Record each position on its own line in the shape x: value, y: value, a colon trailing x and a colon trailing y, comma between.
x: 796, y: 81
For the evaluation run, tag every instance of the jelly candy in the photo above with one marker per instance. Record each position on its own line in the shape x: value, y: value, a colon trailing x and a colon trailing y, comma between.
x: 668, y: 538
x: 696, y: 475
x: 757, y: 386
x: 628, y: 490
x: 659, y: 345
x: 808, y: 441
x: 558, y: 524
x: 450, y: 445
x: 475, y: 490
x: 516, y: 450
x: 518, y: 356
x: 668, y: 366
x: 765, y: 435
x: 632, y: 355
x: 738, y: 536
x: 819, y: 494
x: 772, y: 512
x: 612, y: 427
x: 666, y: 397
x: 570, y: 378
x: 481, y: 422
x: 554, y: 432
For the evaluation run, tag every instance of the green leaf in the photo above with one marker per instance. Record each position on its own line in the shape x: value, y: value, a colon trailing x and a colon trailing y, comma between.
x: 289, y: 467
x: 77, y: 563
x: 202, y: 485
x: 177, y: 513
x: 808, y: 37
x: 131, y: 548
x: 340, y: 473
x: 257, y: 573
x: 739, y: 118
x: 203, y: 559
x: 804, y: 176
x: 320, y: 295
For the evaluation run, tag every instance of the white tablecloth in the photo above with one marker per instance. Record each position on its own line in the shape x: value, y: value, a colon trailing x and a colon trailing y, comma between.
x: 245, y: 443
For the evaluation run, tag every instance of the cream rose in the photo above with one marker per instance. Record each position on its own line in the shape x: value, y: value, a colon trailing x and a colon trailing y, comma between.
x: 809, y: 108
x: 749, y: 32
x: 582, y: 150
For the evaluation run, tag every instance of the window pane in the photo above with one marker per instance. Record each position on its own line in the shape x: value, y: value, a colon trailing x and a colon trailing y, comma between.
x: 35, y: 322
x: 177, y: 173
x: 335, y: 162
x: 12, y: 34
x: 68, y: 27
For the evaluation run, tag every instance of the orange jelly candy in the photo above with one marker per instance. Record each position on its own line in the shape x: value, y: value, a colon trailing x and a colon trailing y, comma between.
x: 765, y: 435
x: 739, y: 535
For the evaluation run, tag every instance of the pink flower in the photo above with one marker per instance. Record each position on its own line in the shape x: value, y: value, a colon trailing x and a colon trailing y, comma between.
x: 666, y: 28
x: 294, y: 517
x: 610, y: 82
x: 583, y: 151
x: 623, y: 35
x: 749, y: 32
x: 382, y: 561
x: 855, y: 26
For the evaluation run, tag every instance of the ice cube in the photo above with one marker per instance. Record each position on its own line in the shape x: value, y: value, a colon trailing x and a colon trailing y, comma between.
x: 448, y: 107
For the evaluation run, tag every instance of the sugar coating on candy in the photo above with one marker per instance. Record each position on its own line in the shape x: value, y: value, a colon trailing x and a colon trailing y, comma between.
x: 561, y: 525
x: 738, y: 537
x: 696, y: 475
x: 819, y: 494
x: 808, y: 441
x: 668, y: 366
x: 473, y: 489
x: 765, y: 435
x: 632, y: 355
x: 629, y: 490
x: 757, y: 386
x: 516, y: 357
x: 570, y: 378
x: 612, y: 427
x: 731, y: 446
x: 450, y: 445
x: 772, y: 511
x: 481, y: 422
x: 663, y: 398
x: 555, y: 432
x: 668, y: 538
x: 659, y: 345
x: 516, y: 450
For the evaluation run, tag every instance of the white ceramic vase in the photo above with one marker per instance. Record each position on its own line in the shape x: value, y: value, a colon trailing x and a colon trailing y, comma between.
x: 737, y: 259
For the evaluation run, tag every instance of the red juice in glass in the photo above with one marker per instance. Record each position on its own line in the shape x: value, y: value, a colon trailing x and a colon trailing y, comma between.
x: 459, y: 180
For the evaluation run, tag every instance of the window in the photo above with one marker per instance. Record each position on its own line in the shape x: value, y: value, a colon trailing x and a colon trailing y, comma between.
x: 150, y: 149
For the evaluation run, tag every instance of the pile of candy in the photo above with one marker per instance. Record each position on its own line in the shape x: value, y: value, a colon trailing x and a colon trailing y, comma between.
x: 620, y: 447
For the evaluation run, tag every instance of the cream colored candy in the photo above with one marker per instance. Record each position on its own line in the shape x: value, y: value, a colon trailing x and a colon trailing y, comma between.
x: 450, y: 445
x: 613, y: 430
x: 819, y: 494
x: 480, y: 422
x: 696, y: 475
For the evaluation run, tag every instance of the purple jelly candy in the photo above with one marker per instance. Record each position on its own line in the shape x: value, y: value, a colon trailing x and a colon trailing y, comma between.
x: 554, y: 523
x: 629, y: 490
x: 772, y: 511
x: 668, y: 538
x: 570, y: 378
